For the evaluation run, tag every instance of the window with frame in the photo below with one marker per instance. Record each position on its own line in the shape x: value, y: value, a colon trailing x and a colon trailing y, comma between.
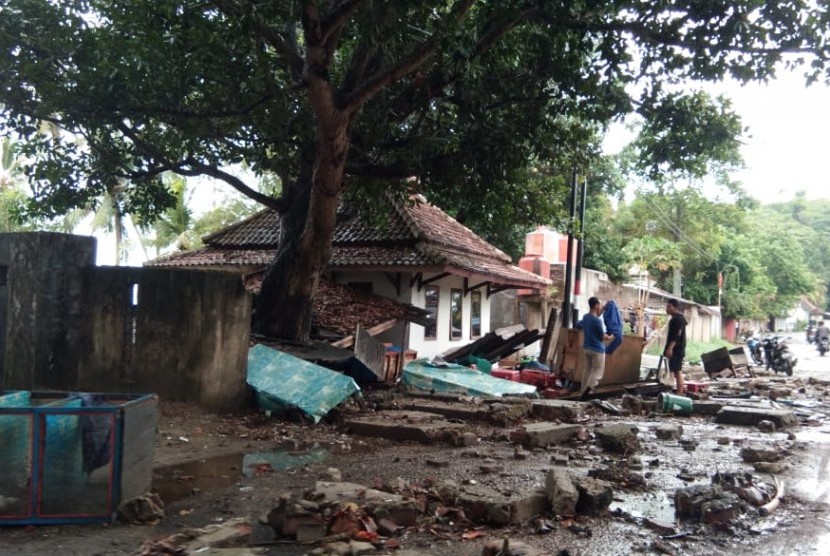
x: 456, y: 314
x: 475, y: 314
x: 431, y: 294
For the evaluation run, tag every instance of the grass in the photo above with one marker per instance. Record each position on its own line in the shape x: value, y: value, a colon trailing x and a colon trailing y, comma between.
x: 693, y: 349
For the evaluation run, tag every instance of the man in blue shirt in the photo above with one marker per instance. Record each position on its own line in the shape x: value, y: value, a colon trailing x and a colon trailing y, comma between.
x: 593, y: 346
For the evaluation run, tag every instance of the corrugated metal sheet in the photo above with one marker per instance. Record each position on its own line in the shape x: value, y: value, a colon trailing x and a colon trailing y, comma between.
x: 457, y: 379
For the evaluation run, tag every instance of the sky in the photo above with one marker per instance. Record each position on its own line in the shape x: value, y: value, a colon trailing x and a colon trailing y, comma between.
x: 785, y: 146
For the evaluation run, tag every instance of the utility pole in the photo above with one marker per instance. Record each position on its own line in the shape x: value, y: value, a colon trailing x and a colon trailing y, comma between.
x: 580, y: 250
x: 566, y: 298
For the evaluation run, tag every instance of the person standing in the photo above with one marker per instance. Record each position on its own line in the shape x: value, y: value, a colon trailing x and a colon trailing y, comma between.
x: 593, y: 347
x: 676, y: 344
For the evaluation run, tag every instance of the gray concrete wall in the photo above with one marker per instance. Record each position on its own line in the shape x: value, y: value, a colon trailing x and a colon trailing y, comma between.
x: 41, y: 308
x: 68, y: 325
x: 186, y: 338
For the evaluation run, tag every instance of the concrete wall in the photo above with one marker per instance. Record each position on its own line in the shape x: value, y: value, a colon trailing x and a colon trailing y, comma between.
x: 41, y: 307
x: 180, y: 334
x: 68, y: 325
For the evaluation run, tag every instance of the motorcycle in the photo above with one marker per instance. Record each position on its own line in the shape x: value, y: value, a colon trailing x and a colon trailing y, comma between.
x: 823, y: 345
x: 778, y: 355
x: 755, y: 350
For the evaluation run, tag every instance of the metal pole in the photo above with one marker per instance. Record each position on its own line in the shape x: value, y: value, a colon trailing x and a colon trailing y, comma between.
x: 566, y: 301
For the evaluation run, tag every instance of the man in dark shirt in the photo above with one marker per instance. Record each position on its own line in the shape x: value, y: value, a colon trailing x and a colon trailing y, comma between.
x: 676, y: 344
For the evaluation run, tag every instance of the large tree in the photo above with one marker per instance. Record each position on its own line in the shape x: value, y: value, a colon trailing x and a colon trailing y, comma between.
x: 352, y: 95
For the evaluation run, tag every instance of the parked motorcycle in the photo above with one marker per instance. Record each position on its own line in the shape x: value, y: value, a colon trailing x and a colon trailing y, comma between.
x: 755, y: 349
x: 778, y: 355
x: 823, y: 345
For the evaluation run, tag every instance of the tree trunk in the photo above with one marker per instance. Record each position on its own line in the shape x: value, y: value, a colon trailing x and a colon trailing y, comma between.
x: 283, y: 306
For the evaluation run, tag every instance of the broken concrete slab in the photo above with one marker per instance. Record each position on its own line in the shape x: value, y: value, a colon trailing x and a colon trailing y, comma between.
x: 706, y: 407
x: 482, y: 504
x: 632, y: 404
x: 669, y: 431
x: 595, y: 495
x: 751, y: 416
x: 558, y: 410
x: 753, y: 454
x: 399, y: 509
x: 458, y: 410
x: 540, y: 435
x: 773, y: 468
x: 561, y: 492
x: 618, y: 437
x: 417, y: 426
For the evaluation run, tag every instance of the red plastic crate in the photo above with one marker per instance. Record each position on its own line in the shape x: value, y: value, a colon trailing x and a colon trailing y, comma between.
x: 506, y: 374
x: 539, y: 379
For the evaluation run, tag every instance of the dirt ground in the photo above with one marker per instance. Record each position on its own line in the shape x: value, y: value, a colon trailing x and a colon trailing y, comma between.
x: 200, y: 471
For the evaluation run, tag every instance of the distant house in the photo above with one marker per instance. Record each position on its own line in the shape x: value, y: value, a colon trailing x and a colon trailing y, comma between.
x: 417, y: 256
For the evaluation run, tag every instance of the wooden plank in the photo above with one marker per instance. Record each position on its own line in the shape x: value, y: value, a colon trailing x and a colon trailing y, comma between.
x: 348, y: 341
x: 546, y: 354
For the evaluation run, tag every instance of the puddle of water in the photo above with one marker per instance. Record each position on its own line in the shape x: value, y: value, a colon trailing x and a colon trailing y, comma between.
x: 655, y: 505
x: 176, y: 482
x: 280, y: 460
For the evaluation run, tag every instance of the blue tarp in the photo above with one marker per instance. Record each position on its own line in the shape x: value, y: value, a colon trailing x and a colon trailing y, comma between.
x: 282, y: 381
x: 457, y: 379
x: 612, y: 317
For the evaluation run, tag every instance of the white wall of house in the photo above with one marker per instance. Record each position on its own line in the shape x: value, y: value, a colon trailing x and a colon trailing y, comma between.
x: 442, y: 342
x: 382, y: 286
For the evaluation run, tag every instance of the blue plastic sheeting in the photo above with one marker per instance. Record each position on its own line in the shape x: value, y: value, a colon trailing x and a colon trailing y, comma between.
x: 457, y: 379
x: 282, y: 381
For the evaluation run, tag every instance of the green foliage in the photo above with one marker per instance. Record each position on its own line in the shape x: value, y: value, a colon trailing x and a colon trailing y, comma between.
x: 466, y: 96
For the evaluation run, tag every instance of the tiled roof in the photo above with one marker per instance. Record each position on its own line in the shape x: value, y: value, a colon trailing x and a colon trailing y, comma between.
x: 217, y: 256
x: 413, y: 235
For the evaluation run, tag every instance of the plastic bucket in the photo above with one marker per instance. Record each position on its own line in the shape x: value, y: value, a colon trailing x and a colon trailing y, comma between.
x: 669, y: 403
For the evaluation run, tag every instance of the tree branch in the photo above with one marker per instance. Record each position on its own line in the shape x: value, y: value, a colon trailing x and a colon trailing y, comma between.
x: 407, y: 64
x: 192, y: 167
x: 337, y: 18
x: 286, y: 48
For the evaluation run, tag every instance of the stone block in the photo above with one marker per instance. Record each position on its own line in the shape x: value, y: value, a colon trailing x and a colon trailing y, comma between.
x: 558, y: 410
x: 751, y: 416
x: 545, y: 434
x: 595, y: 495
x: 482, y: 504
x: 402, y: 511
x: 633, y: 404
x: 561, y: 492
x: 753, y: 454
x: 417, y: 426
x: 669, y: 431
x: 618, y: 437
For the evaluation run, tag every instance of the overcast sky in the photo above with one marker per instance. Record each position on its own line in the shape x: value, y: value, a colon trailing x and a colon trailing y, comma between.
x: 785, y: 147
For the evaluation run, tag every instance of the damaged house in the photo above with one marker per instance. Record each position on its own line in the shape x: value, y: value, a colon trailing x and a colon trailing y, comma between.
x: 417, y: 256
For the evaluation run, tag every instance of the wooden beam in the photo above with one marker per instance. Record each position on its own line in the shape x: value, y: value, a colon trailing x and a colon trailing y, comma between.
x: 493, y: 290
x: 395, y: 279
x: 416, y: 279
x: 471, y: 288
x: 422, y: 283
x: 348, y: 341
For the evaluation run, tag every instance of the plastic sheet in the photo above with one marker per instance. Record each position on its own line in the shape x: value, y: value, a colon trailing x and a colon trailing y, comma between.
x: 282, y: 381
x: 457, y: 379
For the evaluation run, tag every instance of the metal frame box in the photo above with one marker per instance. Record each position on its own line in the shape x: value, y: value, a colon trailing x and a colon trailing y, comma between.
x: 73, y: 457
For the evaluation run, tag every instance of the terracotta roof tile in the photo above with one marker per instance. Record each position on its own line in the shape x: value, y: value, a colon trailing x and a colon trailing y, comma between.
x: 414, y: 235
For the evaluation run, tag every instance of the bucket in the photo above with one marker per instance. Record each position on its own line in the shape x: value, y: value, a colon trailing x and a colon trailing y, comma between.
x: 669, y: 403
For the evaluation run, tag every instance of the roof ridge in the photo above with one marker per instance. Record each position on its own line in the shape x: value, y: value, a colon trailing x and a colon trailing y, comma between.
x: 233, y: 227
